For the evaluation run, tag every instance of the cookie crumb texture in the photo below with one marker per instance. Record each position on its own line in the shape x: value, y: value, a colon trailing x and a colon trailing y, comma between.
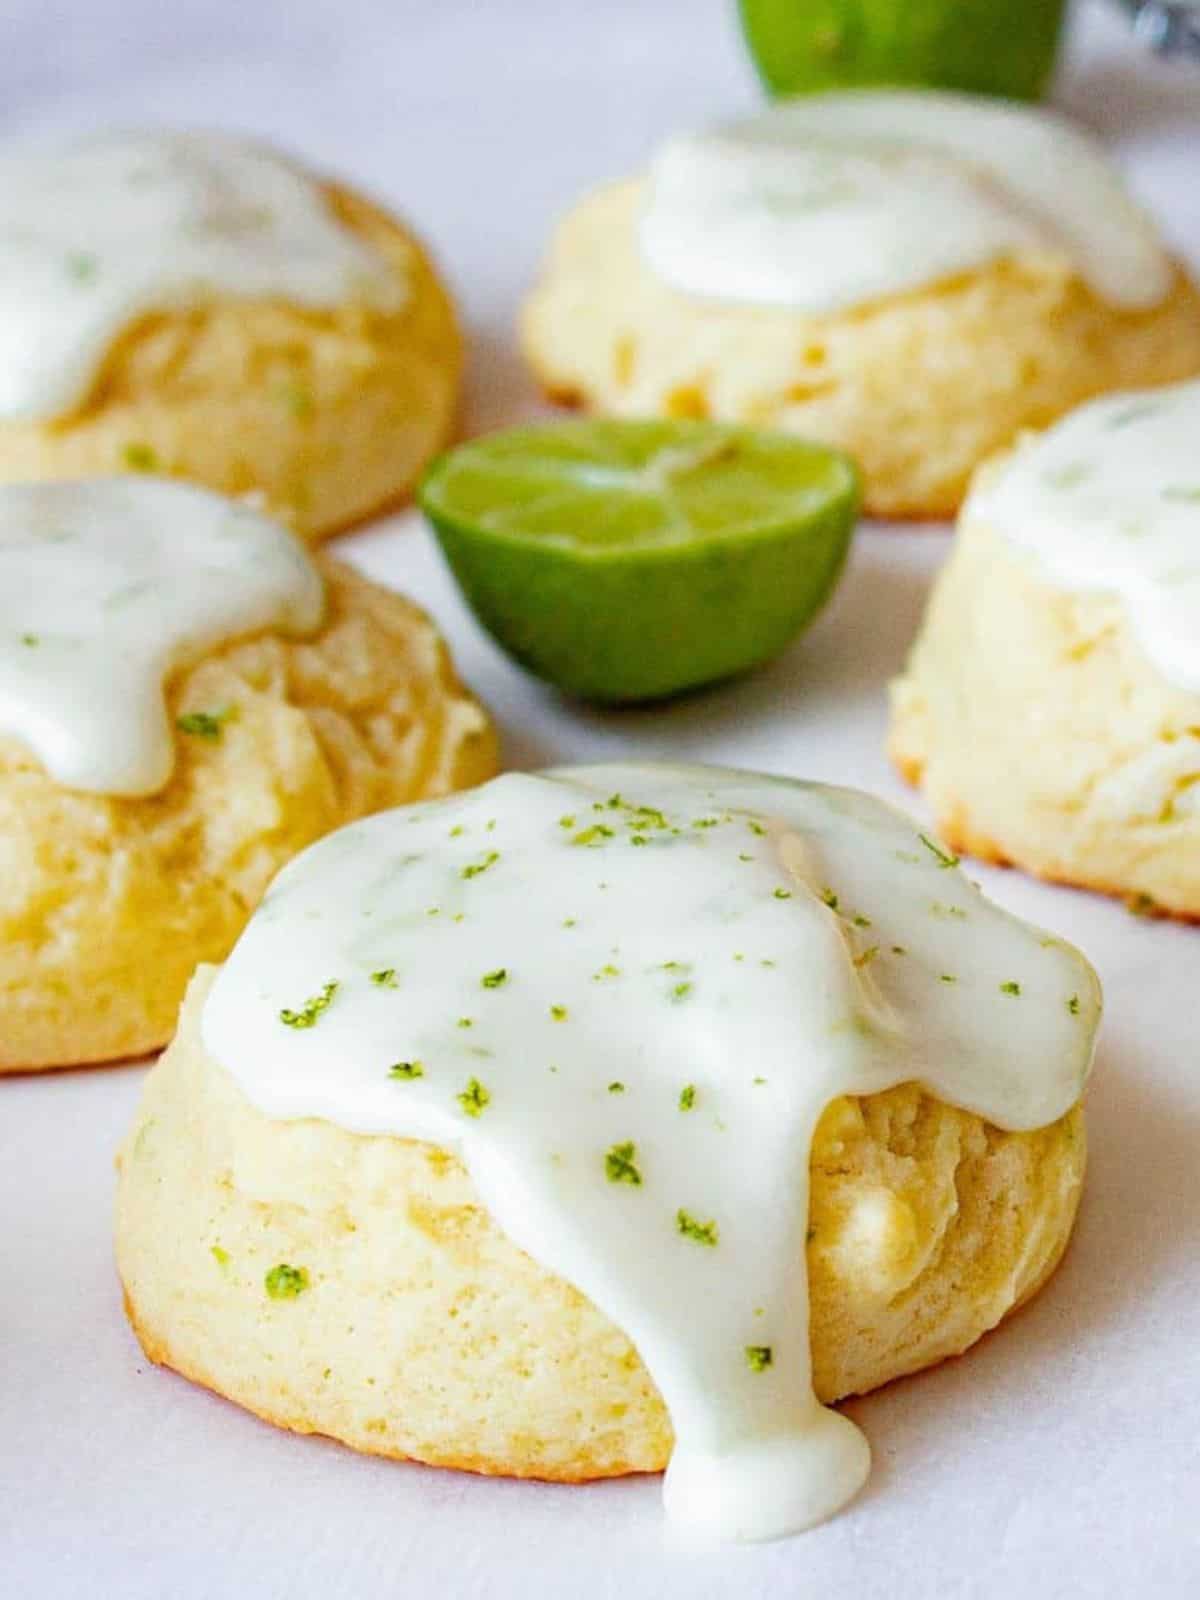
x: 329, y: 415
x: 425, y: 1334
x: 919, y: 388
x: 107, y: 905
x: 1043, y: 737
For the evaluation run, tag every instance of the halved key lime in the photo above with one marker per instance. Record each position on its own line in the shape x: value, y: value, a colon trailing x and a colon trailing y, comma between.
x: 630, y: 560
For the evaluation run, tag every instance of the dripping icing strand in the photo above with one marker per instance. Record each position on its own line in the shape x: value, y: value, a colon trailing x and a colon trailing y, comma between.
x: 103, y: 231
x: 564, y: 1097
x: 832, y: 200
x: 105, y: 588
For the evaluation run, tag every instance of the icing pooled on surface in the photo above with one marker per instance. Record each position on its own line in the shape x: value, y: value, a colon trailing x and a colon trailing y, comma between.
x: 1109, y: 500
x: 105, y: 587
x: 106, y: 230
x: 832, y: 200
x: 625, y: 995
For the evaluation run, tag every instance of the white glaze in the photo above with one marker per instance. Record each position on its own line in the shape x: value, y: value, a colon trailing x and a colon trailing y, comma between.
x: 703, y: 956
x: 832, y: 200
x: 1108, y: 500
x: 105, y: 588
x: 106, y: 230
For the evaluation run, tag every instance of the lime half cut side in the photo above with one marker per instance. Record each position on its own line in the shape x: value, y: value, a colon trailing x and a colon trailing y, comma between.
x: 627, y: 561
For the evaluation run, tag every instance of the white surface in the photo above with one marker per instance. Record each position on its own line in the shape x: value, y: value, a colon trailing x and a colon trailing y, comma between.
x: 1061, y: 1457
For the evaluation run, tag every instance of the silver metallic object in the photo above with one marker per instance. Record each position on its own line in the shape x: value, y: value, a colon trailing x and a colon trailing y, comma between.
x: 1169, y: 27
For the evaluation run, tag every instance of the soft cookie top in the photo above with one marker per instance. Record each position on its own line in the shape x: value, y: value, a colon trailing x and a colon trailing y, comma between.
x: 626, y: 995
x: 106, y: 230
x: 832, y: 200
x: 1109, y: 500
x: 106, y: 587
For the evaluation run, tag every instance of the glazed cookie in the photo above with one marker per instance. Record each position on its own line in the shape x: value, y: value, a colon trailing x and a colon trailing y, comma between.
x: 913, y: 277
x: 137, y: 833
x: 491, y: 1145
x: 195, y: 305
x: 1050, y: 710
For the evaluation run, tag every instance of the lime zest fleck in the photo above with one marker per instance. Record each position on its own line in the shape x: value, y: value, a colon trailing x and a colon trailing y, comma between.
x: 385, y: 978
x: 496, y: 979
x: 943, y: 858
x: 687, y: 1097
x: 465, y: 1022
x: 947, y: 977
x: 705, y: 1233
x: 783, y: 894
x: 221, y: 1257
x: 558, y: 1013
x: 606, y: 971
x: 139, y: 457
x: 1073, y: 1005
x: 310, y: 1012
x: 620, y: 1164
x: 828, y: 898
x: 476, y: 867
x: 205, y: 724
x: 758, y: 1357
x: 588, y: 837
x: 284, y: 1282
x: 30, y: 640
x: 616, y: 1087
x: 406, y: 1071
x: 1010, y: 986
x: 681, y: 991
x: 474, y: 1098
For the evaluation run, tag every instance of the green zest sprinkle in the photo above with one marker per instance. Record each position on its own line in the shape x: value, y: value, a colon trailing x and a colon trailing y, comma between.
x: 567, y: 822
x: 221, y: 1257
x: 558, y: 1013
x: 783, y: 894
x: 592, y: 835
x: 692, y: 1228
x: 474, y: 1098
x: 457, y: 831
x: 477, y: 867
x: 310, y: 1012
x: 406, y: 1071
x: 948, y: 977
x: 756, y: 828
x: 681, y: 991
x: 1073, y: 1005
x: 757, y: 1081
x: 205, y: 724
x: 385, y: 978
x: 860, y: 921
x: 139, y: 457
x: 829, y: 899
x: 899, y: 950
x: 465, y: 1022
x: 296, y: 400
x: 569, y: 922
x: 942, y: 857
x: 284, y: 1282
x: 81, y: 267
x: 1010, y: 988
x: 29, y: 640
x: 687, y: 1097
x: 606, y: 971
x: 616, y: 1087
x: 495, y: 980
x: 620, y: 1164
x: 758, y: 1357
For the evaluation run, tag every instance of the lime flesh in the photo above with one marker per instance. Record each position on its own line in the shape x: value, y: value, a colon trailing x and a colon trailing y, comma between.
x: 1003, y: 47
x: 627, y: 561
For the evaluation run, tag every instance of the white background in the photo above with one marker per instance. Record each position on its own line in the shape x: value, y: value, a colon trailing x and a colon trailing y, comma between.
x: 1061, y: 1457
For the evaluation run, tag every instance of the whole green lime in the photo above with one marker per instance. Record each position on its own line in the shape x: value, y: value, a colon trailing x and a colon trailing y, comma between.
x: 1002, y: 47
x: 628, y: 561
